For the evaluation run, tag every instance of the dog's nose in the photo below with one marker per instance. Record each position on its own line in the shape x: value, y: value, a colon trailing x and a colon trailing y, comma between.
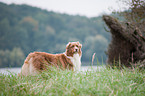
x: 76, y: 50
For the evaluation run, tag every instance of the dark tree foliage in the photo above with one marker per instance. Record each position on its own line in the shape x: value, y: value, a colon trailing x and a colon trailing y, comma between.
x: 128, y: 42
x: 136, y: 14
x: 127, y: 47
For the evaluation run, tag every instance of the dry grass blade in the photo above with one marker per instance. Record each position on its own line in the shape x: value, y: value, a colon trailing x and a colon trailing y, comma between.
x: 93, y: 57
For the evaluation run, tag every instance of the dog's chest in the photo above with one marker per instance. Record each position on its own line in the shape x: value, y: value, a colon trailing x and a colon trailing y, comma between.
x: 76, y: 60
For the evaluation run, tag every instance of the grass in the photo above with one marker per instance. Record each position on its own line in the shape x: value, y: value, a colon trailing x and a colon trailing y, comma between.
x: 55, y: 82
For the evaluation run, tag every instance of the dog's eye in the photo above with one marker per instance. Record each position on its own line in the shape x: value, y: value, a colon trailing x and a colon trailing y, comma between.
x: 72, y: 46
x: 77, y: 46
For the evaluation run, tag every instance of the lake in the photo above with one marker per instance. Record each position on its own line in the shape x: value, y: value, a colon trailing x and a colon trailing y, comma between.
x: 18, y: 70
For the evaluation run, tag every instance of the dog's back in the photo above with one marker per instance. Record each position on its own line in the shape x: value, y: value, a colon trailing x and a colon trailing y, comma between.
x: 38, y: 61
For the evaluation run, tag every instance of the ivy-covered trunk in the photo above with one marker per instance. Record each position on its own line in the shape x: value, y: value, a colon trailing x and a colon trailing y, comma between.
x: 127, y: 47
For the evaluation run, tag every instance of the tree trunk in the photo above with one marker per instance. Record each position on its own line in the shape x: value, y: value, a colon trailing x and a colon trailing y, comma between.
x: 127, y: 46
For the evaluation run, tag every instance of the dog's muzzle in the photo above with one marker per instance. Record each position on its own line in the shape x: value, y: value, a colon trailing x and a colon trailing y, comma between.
x: 76, y: 49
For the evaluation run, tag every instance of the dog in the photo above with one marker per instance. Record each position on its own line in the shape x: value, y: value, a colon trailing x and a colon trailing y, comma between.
x: 36, y: 62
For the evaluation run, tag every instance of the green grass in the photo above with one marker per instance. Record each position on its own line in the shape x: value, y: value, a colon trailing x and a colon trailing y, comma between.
x: 67, y: 83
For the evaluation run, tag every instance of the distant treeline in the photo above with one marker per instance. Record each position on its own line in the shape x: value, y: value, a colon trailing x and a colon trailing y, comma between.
x: 24, y: 29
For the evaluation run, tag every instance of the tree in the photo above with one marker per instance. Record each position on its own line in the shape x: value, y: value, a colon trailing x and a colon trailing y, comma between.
x: 14, y: 58
x: 34, y: 29
x: 128, y: 42
x: 95, y: 44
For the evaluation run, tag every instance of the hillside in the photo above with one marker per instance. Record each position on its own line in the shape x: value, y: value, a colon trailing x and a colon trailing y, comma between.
x: 24, y: 29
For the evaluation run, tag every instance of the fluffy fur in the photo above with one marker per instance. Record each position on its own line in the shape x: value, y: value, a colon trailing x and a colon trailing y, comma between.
x: 37, y: 61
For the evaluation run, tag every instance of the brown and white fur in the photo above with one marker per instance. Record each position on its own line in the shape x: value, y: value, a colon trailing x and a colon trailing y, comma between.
x: 38, y: 61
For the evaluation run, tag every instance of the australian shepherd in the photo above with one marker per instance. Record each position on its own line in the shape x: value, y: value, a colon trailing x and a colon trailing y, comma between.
x: 38, y: 61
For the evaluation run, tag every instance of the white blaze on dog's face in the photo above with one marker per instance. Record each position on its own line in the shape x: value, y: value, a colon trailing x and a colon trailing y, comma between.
x: 73, y: 48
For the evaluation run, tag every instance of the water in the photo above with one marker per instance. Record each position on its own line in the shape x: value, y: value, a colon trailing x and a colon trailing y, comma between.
x: 10, y: 70
x: 18, y: 70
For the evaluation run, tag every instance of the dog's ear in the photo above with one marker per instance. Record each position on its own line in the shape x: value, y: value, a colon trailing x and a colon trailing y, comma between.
x: 79, y: 44
x: 67, y: 46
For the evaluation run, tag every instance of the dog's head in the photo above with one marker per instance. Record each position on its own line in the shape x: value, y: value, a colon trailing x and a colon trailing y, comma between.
x: 73, y: 48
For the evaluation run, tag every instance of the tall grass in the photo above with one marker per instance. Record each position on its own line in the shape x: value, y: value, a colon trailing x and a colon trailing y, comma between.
x: 56, y: 82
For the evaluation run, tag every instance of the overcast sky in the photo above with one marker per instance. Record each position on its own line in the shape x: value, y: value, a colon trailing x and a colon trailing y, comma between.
x: 89, y: 8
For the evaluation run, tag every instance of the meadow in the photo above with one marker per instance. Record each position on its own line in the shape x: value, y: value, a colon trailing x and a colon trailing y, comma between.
x: 54, y: 82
